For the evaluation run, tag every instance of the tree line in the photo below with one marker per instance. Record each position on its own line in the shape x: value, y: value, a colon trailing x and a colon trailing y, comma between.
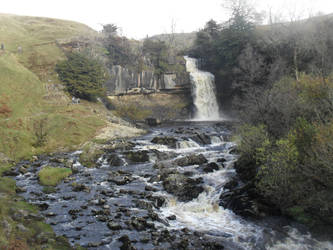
x: 278, y: 80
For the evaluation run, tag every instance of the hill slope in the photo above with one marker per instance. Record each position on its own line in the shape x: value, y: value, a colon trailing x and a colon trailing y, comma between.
x: 30, y: 91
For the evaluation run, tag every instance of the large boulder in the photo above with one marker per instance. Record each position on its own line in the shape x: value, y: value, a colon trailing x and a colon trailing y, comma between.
x: 165, y: 140
x: 184, y: 188
x: 191, y: 160
x: 242, y: 200
x: 210, y: 167
x: 201, y: 138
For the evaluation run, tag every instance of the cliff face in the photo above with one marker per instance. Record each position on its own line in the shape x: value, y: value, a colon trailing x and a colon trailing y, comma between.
x: 124, y: 81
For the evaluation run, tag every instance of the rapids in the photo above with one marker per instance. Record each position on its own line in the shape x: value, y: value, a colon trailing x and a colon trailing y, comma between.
x: 131, y: 200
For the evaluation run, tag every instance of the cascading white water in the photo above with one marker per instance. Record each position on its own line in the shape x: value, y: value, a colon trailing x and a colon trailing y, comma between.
x: 203, y: 91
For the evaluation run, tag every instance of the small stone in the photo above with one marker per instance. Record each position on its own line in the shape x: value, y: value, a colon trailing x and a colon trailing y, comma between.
x: 114, y: 226
x: 172, y: 217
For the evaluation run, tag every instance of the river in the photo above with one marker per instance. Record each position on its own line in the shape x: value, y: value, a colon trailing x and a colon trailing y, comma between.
x: 157, y: 195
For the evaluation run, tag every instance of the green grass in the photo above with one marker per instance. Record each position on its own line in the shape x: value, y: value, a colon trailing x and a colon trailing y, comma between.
x: 50, y: 176
x: 25, y: 79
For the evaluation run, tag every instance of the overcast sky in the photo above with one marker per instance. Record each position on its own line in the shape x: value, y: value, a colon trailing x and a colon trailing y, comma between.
x: 139, y: 18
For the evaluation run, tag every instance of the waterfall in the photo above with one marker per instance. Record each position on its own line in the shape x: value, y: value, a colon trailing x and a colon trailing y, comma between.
x: 203, y: 91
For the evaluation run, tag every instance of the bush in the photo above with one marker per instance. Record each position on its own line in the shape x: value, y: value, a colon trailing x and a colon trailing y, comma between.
x: 83, y: 76
x: 50, y: 176
x: 40, y: 130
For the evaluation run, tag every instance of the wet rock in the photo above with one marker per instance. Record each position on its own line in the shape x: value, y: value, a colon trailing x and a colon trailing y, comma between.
x: 76, y: 187
x: 127, y: 245
x: 20, y: 190
x: 191, y: 160
x: 231, y: 184
x: 143, y: 204
x: 43, y: 206
x: 23, y: 170
x: 102, y: 218
x: 139, y: 224
x: 240, y: 202
x: 74, y: 211
x: 57, y: 160
x: 210, y: 167
x: 120, y: 145
x: 221, y: 160
x: 105, y: 212
x: 158, y: 201
x: 184, y: 188
x: 10, y: 172
x: 121, y: 180
x: 213, y: 245
x: 138, y: 156
x: 114, y: 226
x: 172, y: 217
x: 166, y: 140
x: 152, y: 122
x: 162, y: 156
x: 201, y: 138
x: 150, y: 188
x: 50, y: 214
x: 114, y: 160
x: 74, y: 169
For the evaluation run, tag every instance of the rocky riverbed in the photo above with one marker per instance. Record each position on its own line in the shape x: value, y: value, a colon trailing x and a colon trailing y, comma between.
x: 158, y: 191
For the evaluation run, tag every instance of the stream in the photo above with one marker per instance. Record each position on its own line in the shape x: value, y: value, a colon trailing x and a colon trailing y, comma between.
x: 158, y: 191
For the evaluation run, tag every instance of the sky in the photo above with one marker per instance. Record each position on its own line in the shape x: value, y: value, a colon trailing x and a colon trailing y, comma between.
x: 139, y: 18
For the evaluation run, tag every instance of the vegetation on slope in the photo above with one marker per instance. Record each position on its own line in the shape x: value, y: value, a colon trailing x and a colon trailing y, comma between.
x: 279, y: 80
x: 30, y: 90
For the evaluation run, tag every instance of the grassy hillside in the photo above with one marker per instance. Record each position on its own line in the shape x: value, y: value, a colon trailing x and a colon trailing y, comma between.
x: 30, y: 91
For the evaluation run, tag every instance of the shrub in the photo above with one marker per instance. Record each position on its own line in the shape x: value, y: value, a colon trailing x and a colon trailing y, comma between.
x: 50, y: 176
x: 83, y: 76
x: 40, y: 130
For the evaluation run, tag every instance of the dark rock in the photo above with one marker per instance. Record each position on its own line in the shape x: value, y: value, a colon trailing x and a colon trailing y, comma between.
x: 10, y: 173
x: 210, y: 167
x: 150, y: 188
x: 231, y: 184
x: 76, y: 187
x: 127, y: 245
x: 50, y: 214
x: 138, y: 156
x: 172, y: 217
x: 221, y: 160
x: 201, y: 138
x: 152, y: 122
x: 166, y: 140
x: 140, y: 224
x: 184, y: 188
x: 43, y: 206
x: 158, y: 201
x: 121, y: 180
x: 114, y: 226
x: 120, y: 145
x: 23, y: 170
x: 114, y: 160
x: 191, y: 160
x: 74, y: 211
x: 20, y: 190
x: 162, y: 156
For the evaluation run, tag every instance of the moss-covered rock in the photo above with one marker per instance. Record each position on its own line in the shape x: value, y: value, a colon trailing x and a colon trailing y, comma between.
x: 50, y: 176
